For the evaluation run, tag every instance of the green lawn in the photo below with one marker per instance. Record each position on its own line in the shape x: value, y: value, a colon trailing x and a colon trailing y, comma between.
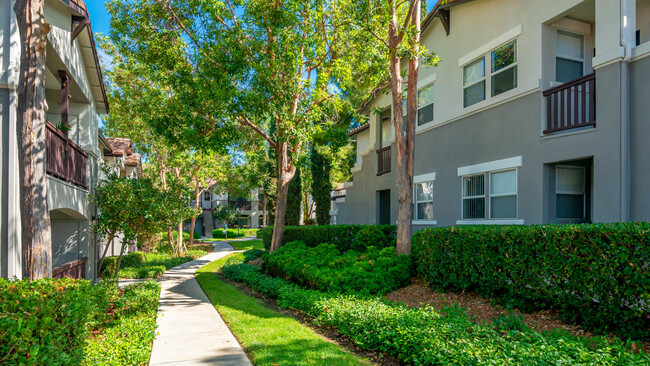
x: 154, y: 265
x: 247, y: 244
x: 269, y: 336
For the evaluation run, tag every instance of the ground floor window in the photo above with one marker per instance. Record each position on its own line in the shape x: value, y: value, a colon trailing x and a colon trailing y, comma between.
x: 490, y: 195
x: 424, y: 201
x: 570, y: 192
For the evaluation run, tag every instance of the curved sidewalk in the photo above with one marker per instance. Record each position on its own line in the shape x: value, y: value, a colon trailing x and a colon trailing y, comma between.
x: 190, y: 330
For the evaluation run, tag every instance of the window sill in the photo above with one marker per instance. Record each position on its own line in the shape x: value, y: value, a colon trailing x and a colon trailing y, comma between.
x: 424, y: 222
x: 490, y: 222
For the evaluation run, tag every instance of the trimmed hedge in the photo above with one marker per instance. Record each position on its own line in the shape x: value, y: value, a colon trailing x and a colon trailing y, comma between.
x: 45, y: 322
x: 425, y: 337
x: 597, y: 275
x: 344, y: 237
x: 132, y: 259
x: 232, y: 233
x: 325, y: 268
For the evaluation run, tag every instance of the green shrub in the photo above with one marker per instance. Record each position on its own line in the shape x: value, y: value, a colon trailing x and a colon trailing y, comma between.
x: 133, y: 259
x: 342, y: 236
x: 232, y: 233
x: 370, y: 236
x: 253, y: 254
x: 596, y: 275
x: 325, y: 268
x: 423, y: 336
x: 44, y: 322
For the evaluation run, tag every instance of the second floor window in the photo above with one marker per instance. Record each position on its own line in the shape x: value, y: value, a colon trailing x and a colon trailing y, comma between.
x: 570, y: 56
x: 207, y: 196
x: 425, y: 105
x: 501, y: 78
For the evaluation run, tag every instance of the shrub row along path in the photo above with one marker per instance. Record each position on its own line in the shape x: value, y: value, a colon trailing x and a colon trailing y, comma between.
x: 190, y: 330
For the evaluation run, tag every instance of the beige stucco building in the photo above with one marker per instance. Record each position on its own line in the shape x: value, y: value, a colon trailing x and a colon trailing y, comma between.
x: 536, y: 114
x: 74, y: 91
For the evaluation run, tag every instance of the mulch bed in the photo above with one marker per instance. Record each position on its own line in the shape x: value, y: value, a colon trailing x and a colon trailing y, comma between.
x: 481, y: 309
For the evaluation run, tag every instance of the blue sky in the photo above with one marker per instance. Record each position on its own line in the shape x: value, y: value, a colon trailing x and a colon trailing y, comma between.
x: 100, y: 18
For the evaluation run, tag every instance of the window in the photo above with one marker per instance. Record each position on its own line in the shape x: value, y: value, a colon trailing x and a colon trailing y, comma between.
x: 207, y: 196
x: 474, y: 82
x: 424, y: 201
x: 570, y: 56
x: 425, y: 105
x: 570, y: 192
x: 502, y: 74
x: 504, y: 68
x: 502, y: 195
x: 474, y: 197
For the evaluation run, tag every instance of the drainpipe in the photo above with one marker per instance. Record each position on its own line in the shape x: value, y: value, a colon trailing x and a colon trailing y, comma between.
x: 628, y: 25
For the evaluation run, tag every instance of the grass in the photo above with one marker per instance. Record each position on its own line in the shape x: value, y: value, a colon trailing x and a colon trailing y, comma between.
x: 126, y: 337
x: 269, y: 336
x: 247, y: 244
x: 153, y: 266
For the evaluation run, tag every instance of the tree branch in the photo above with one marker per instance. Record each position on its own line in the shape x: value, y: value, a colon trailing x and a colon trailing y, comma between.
x: 407, y: 19
x: 257, y: 129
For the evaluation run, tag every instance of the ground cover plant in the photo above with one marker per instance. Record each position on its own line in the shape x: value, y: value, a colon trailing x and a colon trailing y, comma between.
x: 268, y: 336
x: 424, y: 336
x: 149, y: 265
x: 64, y: 322
x: 596, y: 275
x: 324, y: 267
x: 125, y: 338
x: 344, y: 237
x: 246, y: 244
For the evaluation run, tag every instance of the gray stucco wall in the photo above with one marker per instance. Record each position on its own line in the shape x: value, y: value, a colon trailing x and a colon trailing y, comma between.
x: 509, y: 130
x: 639, y: 133
x: 4, y: 194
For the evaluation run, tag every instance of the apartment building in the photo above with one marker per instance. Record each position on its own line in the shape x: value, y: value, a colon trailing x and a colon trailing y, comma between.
x: 536, y: 114
x: 75, y: 95
x: 250, y: 210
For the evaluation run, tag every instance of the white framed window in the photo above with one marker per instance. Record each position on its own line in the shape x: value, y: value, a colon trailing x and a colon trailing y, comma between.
x: 503, y: 194
x: 570, y: 192
x: 423, y: 201
x: 570, y: 56
x: 207, y: 196
x: 425, y: 105
x: 474, y: 82
x: 501, y: 76
x: 504, y: 68
x: 473, y: 197
x: 497, y: 202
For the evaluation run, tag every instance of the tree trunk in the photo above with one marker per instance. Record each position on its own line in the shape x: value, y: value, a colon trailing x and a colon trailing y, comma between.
x: 32, y: 109
x: 405, y: 135
x: 109, y: 243
x: 196, y: 206
x: 180, y: 237
x: 119, y: 259
x: 264, y: 211
x: 286, y: 171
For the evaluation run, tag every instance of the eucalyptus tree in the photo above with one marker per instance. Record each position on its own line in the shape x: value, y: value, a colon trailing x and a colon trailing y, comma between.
x: 392, y: 35
x: 36, y: 234
x: 248, y: 64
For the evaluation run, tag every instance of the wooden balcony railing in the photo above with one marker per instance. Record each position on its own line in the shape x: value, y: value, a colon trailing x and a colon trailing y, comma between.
x: 65, y: 160
x: 75, y: 269
x: 383, y: 160
x: 241, y: 205
x: 571, y: 105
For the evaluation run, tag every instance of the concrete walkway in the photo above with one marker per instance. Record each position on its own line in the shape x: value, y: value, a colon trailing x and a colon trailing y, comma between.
x: 190, y: 330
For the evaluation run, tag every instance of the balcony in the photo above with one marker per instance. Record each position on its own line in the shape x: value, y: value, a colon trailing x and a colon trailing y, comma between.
x: 65, y: 160
x: 571, y: 105
x: 240, y: 205
x: 383, y: 161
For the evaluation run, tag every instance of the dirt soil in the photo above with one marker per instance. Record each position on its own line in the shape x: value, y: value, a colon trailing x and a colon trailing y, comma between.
x: 201, y: 246
x: 480, y: 309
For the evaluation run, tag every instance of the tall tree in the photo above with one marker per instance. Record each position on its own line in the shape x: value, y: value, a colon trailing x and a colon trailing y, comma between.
x: 321, y: 187
x: 250, y: 64
x: 402, y: 23
x: 32, y: 109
